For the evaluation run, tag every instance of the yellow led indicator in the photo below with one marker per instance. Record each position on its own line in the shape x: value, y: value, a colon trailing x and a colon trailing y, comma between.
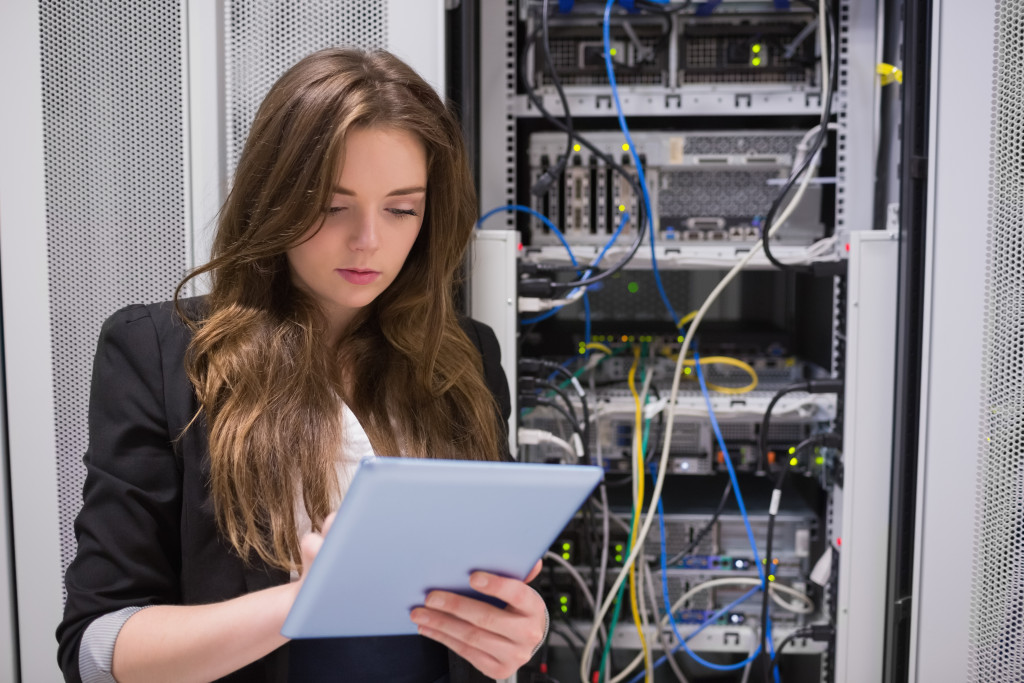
x: 625, y: 338
x: 632, y: 338
x: 565, y: 556
x: 566, y: 546
x: 771, y: 577
x: 687, y: 371
x: 625, y: 146
x: 756, y: 48
x: 613, y: 52
x: 679, y: 339
x: 819, y: 460
x: 793, y: 462
x: 756, y: 61
x: 792, y: 450
x: 576, y: 147
x: 622, y: 207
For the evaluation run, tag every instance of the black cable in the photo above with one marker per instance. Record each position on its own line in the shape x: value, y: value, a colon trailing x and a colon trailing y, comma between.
x: 826, y: 24
x: 830, y: 439
x: 562, y: 394
x: 818, y: 632
x: 548, y: 177
x: 705, y: 530
x: 607, y: 159
x: 814, y: 386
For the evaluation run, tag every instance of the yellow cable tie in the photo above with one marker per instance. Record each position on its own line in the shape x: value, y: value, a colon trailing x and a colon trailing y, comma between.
x: 889, y: 73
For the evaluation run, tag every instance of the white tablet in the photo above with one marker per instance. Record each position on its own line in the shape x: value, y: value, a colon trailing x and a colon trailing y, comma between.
x: 407, y: 526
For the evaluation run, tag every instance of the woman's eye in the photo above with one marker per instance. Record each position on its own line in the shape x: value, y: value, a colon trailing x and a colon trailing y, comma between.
x: 335, y: 209
x: 401, y: 213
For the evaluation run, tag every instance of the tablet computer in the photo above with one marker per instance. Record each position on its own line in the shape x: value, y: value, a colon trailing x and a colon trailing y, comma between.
x: 407, y: 526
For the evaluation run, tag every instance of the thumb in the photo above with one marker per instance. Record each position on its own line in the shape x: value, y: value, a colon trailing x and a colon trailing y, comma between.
x: 534, y: 572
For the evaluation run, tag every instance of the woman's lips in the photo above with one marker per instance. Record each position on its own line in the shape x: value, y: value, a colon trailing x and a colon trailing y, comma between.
x: 357, y: 276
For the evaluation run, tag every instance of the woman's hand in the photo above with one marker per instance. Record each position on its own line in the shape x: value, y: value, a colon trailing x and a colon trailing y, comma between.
x: 309, y: 547
x: 496, y: 641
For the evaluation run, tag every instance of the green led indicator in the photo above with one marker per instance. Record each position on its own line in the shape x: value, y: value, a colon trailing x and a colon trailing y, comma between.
x: 613, y: 52
x: 565, y: 556
x: 633, y: 287
x: 679, y: 339
x: 565, y: 609
x: 618, y: 547
x: 687, y: 371
x: 819, y: 460
x: 564, y: 599
x: 566, y: 546
x: 618, y: 558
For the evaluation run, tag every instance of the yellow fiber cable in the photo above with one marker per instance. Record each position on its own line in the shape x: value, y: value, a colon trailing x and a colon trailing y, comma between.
x: 686, y: 318
x: 638, y: 471
x: 720, y: 360
x: 606, y: 350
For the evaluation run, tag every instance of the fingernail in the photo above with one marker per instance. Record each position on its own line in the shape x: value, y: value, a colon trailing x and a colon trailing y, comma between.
x: 420, y: 617
x: 478, y: 581
x: 434, y: 601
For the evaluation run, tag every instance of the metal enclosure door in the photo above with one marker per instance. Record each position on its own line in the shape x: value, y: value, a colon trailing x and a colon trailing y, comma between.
x: 119, y: 124
x: 969, y: 582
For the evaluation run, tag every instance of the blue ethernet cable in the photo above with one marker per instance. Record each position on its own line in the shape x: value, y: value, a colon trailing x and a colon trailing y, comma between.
x: 739, y: 496
x: 636, y: 157
x: 707, y: 622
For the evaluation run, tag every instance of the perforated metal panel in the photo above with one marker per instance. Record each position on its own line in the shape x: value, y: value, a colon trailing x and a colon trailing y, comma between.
x: 997, y: 615
x: 265, y: 37
x: 115, y: 191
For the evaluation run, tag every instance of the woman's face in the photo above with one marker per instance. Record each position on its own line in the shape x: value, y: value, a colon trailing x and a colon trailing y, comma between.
x: 374, y: 217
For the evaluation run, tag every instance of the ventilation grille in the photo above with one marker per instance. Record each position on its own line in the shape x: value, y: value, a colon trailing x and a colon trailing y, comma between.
x: 115, y: 196
x: 996, y: 650
x: 265, y: 37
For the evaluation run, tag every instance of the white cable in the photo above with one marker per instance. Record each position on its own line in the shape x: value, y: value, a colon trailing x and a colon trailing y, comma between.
x: 533, y: 437
x: 717, y: 583
x: 670, y: 420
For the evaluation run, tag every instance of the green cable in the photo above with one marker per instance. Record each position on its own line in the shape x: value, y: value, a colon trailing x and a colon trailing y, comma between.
x: 622, y: 586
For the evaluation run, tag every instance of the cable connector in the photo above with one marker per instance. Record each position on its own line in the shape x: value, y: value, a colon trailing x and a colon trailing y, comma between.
x: 822, y: 633
x: 824, y: 386
x: 539, y: 288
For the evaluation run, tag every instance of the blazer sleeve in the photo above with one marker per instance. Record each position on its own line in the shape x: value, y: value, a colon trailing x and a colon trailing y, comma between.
x: 128, y: 529
x: 494, y: 375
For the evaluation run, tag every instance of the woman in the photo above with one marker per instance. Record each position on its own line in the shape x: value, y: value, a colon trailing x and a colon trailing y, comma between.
x: 222, y: 428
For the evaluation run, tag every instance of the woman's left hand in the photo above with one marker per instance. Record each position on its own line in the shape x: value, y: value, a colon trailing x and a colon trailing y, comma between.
x: 496, y: 641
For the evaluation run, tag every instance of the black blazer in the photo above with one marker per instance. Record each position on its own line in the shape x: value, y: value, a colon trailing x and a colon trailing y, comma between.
x: 146, y: 532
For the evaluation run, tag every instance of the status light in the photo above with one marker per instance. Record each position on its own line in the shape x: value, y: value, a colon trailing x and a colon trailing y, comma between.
x: 564, y: 599
x: 566, y: 546
x: 771, y: 577
x: 625, y: 146
x: 565, y: 556
x: 793, y: 462
x: 613, y: 52
x: 756, y: 48
x: 756, y: 61
x: 622, y: 207
x: 565, y: 609
x: 687, y: 371
x: 792, y: 450
x: 633, y: 288
x: 576, y: 147
x: 618, y: 558
x: 819, y: 460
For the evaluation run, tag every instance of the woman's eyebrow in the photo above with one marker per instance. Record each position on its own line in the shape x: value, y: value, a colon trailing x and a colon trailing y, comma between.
x: 394, y: 193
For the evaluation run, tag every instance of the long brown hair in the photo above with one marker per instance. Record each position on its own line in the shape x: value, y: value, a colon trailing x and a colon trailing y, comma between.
x: 266, y: 380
